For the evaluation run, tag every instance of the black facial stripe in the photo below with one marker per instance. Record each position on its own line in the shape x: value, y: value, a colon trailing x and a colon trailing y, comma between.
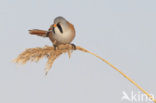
x: 54, y: 30
x: 60, y: 28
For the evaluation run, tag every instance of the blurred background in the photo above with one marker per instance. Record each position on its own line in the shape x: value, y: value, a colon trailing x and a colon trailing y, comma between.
x: 121, y: 31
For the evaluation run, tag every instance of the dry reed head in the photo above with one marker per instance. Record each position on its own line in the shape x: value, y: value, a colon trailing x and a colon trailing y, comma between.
x: 35, y: 54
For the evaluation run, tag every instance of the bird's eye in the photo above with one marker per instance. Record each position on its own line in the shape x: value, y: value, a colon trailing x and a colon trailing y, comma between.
x: 59, y: 27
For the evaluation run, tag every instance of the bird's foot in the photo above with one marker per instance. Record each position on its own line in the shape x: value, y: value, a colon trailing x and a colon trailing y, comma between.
x: 55, y: 47
x: 73, y: 46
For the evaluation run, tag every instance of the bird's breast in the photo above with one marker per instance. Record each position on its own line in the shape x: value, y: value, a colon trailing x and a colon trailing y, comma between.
x: 65, y: 37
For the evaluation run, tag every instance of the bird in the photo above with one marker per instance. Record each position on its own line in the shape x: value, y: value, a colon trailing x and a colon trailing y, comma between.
x: 60, y: 32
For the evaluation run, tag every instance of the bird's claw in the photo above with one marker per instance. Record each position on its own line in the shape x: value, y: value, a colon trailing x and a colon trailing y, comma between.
x: 73, y: 46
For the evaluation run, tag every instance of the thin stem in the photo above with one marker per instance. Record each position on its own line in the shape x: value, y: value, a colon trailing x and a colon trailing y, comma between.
x: 133, y: 82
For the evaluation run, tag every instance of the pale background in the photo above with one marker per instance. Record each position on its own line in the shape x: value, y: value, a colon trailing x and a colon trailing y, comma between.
x: 121, y: 31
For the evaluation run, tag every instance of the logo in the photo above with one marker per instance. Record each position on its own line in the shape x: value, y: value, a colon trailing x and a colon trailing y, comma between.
x: 134, y: 97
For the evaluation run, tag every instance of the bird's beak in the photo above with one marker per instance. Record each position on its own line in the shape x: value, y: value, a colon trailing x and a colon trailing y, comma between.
x: 54, y: 25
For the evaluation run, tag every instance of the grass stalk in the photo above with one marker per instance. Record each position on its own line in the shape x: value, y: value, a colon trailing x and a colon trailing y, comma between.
x: 35, y: 54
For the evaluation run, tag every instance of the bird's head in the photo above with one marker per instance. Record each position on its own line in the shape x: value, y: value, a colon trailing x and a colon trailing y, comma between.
x: 61, y: 24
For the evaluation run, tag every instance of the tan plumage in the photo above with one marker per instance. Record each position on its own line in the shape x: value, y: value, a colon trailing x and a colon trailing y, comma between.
x: 61, y: 32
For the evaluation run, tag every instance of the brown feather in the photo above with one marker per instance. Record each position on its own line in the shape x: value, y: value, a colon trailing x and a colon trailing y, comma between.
x: 38, y: 32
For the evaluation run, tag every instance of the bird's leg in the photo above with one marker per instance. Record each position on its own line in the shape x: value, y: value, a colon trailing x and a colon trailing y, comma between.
x: 73, y: 46
x: 55, y: 46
